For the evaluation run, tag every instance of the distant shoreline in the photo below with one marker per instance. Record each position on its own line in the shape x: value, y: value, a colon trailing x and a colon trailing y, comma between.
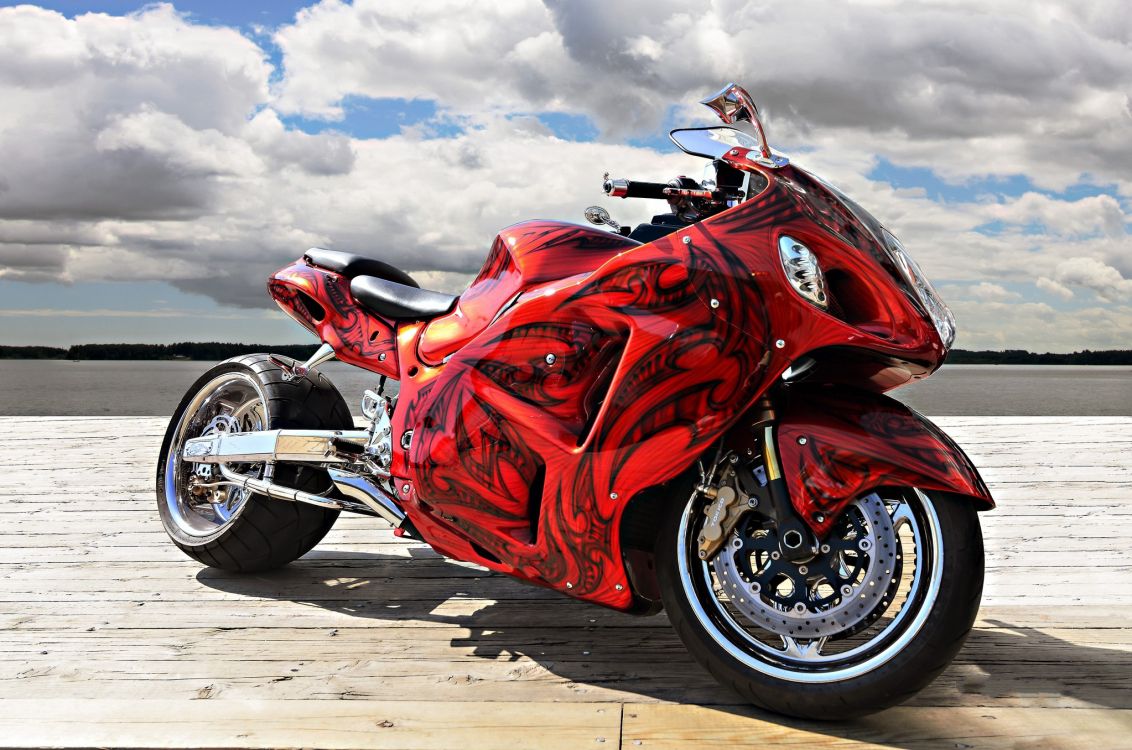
x: 212, y: 351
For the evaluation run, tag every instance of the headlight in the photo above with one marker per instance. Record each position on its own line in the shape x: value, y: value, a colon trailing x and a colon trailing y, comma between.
x: 936, y: 308
x: 803, y: 271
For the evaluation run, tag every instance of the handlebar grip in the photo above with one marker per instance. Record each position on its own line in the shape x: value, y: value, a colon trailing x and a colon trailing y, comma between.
x: 635, y: 189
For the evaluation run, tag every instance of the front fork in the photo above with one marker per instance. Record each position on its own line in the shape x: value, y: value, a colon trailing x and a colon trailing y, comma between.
x: 759, y: 483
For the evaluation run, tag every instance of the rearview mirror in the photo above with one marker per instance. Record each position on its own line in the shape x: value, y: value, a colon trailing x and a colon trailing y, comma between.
x: 735, y: 107
x: 712, y: 143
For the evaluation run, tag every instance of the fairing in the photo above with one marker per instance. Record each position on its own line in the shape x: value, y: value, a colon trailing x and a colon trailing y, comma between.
x: 581, y: 368
x: 529, y: 441
x: 837, y: 444
x: 521, y: 256
x: 358, y: 337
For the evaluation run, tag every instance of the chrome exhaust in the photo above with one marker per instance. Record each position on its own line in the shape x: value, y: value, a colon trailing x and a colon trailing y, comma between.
x: 298, y: 446
x: 361, y: 488
x: 374, y: 500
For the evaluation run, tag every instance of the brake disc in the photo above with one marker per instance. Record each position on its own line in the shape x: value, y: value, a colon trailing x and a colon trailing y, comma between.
x: 842, y: 586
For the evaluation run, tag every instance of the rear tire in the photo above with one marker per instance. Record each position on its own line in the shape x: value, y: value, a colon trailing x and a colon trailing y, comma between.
x: 916, y: 664
x: 259, y: 533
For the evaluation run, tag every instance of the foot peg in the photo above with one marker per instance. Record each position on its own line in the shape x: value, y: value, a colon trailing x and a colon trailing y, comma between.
x: 325, y: 353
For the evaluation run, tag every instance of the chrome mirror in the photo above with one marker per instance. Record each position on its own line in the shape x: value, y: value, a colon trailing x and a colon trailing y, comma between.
x: 598, y: 215
x: 712, y: 143
x: 735, y: 107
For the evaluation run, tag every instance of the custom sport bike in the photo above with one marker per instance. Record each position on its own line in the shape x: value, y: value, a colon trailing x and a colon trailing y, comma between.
x: 686, y: 415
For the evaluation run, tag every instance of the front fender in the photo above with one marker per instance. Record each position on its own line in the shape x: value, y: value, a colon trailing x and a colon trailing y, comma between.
x: 835, y: 445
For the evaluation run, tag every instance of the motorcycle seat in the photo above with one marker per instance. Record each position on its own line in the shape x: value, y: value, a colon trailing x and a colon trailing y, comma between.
x: 396, y: 301
x: 350, y: 265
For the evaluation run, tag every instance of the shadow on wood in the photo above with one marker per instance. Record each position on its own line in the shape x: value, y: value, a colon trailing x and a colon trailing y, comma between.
x: 640, y: 658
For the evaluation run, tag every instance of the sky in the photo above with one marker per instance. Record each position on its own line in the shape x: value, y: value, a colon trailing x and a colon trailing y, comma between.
x: 158, y: 161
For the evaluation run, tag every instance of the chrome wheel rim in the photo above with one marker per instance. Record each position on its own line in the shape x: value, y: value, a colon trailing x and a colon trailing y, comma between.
x: 197, y: 505
x: 811, y: 661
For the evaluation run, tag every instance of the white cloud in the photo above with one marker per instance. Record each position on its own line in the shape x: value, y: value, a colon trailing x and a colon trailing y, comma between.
x: 148, y: 147
x: 103, y: 312
x: 1041, y: 328
x: 1054, y: 287
x: 1083, y: 217
x: 1090, y: 273
x: 965, y: 87
x: 165, y: 140
x: 983, y: 291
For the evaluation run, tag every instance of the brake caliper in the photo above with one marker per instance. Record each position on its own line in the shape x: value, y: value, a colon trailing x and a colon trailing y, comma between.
x: 728, y: 503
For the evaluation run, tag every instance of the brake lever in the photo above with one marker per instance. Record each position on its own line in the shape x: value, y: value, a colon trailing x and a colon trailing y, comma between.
x: 713, y: 195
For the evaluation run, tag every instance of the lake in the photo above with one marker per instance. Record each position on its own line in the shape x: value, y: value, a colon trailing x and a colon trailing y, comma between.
x: 153, y: 388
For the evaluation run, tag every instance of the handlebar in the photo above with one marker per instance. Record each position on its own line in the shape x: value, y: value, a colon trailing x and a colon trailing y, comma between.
x: 635, y: 189
x: 659, y: 190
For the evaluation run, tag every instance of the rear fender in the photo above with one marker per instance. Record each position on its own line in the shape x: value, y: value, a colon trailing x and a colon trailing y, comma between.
x: 835, y: 445
x: 321, y: 301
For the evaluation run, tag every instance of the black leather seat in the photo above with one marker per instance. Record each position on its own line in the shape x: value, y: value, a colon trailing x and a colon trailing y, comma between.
x: 382, y: 288
x: 350, y: 265
x: 399, y: 301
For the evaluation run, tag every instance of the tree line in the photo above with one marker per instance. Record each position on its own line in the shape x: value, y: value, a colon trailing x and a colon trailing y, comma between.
x: 207, y: 350
x: 215, y: 350
x: 1023, y: 357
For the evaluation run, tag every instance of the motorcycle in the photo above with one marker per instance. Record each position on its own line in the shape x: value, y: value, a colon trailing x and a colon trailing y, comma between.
x: 687, y: 415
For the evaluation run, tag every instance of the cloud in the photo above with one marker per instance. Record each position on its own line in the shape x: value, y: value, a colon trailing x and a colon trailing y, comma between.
x: 967, y: 88
x: 163, y: 158
x: 1090, y: 273
x: 983, y: 291
x: 1083, y: 217
x: 1041, y: 328
x: 148, y: 147
x: 119, y: 117
x: 102, y: 312
x: 1054, y: 287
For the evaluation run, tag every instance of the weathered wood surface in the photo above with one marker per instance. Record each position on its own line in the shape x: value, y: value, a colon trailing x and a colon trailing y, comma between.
x: 110, y: 636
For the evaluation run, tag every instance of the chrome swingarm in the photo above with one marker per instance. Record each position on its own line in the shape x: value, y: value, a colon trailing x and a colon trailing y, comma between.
x: 294, y: 446
x: 374, y: 501
x: 356, y: 461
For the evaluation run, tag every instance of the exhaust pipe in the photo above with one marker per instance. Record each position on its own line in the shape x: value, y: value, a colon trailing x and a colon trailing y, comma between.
x: 374, y: 500
x: 298, y: 446
x: 361, y: 488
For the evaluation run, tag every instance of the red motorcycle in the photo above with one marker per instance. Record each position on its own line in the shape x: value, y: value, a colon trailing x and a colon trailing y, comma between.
x: 686, y: 416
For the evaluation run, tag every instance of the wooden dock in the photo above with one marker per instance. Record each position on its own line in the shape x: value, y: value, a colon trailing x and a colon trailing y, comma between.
x: 111, y: 636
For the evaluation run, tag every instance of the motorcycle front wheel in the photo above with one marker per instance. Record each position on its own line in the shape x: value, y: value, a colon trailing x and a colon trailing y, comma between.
x: 875, y: 615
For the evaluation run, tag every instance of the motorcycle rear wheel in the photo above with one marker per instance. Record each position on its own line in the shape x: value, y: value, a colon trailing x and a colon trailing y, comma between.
x: 234, y: 529
x: 909, y: 647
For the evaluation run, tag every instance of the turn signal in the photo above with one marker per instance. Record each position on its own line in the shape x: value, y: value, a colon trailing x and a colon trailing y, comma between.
x: 803, y: 271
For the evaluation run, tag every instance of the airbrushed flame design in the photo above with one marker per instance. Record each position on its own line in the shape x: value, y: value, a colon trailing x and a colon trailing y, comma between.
x: 581, y: 368
x: 357, y: 336
x: 638, y: 334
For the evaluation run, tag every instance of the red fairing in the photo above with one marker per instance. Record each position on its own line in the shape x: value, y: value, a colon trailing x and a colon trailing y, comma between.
x: 836, y: 445
x: 521, y: 256
x: 531, y: 439
x: 581, y: 368
x: 358, y: 337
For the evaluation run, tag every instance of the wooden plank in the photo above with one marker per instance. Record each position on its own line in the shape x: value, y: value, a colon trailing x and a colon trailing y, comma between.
x: 312, y: 723
x: 679, y: 727
x: 95, y: 601
x: 1015, y: 581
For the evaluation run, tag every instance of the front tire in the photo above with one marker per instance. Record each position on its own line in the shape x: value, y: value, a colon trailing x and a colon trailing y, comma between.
x: 909, y: 648
x: 229, y: 528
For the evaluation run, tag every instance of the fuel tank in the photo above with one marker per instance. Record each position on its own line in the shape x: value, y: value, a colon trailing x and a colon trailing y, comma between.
x: 522, y: 255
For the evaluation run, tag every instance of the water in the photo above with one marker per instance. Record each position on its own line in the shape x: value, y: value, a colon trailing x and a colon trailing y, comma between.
x: 153, y: 388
